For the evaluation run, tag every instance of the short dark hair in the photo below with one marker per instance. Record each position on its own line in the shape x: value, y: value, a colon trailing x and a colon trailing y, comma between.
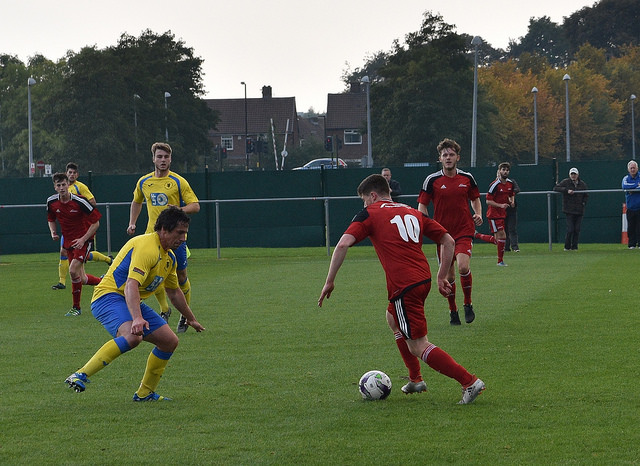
x: 170, y: 218
x: 447, y: 143
x: 72, y: 166
x: 504, y: 165
x: 57, y: 177
x: 374, y: 183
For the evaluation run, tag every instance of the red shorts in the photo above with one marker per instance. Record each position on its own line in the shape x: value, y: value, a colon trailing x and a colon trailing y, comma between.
x: 496, y: 224
x: 408, y: 311
x: 81, y: 254
x: 463, y: 245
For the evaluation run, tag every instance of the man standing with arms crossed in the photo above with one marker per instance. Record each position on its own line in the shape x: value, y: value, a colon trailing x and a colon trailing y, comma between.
x: 451, y: 189
x: 160, y: 189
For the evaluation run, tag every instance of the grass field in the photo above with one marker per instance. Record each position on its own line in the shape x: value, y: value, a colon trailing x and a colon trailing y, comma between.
x: 273, y: 379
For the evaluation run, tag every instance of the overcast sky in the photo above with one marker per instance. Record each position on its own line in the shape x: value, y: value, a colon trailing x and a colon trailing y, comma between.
x: 300, y: 48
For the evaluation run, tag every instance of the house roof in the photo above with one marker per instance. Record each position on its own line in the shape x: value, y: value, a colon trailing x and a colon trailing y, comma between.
x: 259, y: 114
x: 311, y: 127
x: 346, y: 111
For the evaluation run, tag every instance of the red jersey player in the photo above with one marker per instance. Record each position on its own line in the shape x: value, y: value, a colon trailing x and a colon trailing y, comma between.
x: 79, y: 220
x: 450, y: 190
x: 499, y: 197
x: 396, y: 232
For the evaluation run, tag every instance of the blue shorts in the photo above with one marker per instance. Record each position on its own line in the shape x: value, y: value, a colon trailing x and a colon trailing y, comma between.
x: 111, y: 311
x: 181, y: 256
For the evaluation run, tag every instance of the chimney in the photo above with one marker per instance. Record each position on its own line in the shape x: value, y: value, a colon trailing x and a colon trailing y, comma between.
x: 266, y: 92
x: 355, y: 87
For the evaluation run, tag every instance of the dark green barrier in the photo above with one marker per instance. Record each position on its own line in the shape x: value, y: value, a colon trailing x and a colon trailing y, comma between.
x: 302, y: 222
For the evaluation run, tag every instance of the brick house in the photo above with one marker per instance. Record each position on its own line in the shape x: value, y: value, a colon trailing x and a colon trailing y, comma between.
x: 347, y: 123
x: 230, y: 131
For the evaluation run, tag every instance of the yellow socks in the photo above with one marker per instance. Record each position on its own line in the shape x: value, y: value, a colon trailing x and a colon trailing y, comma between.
x: 156, y: 364
x: 63, y: 270
x: 107, y: 353
x: 186, y: 289
x: 161, y: 296
x: 98, y: 256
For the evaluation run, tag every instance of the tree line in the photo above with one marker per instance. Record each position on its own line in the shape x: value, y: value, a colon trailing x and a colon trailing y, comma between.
x: 422, y: 89
x: 103, y: 108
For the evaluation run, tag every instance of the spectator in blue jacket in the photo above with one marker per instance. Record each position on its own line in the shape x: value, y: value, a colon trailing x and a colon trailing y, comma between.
x: 630, y: 183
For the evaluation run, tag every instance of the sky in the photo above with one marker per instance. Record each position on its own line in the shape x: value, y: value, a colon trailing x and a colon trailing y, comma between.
x: 299, y: 48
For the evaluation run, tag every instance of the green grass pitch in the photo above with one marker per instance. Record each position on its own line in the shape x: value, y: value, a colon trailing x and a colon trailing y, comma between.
x: 273, y: 380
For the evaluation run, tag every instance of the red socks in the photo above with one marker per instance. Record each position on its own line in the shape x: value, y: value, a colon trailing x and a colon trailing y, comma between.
x: 451, y: 297
x: 440, y: 361
x: 465, y: 282
x: 485, y: 238
x: 412, y: 362
x: 501, y: 245
x: 93, y: 280
x: 76, y: 293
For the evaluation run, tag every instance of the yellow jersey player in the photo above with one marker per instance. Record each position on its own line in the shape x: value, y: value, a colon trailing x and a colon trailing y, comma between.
x: 79, y: 189
x: 144, y: 264
x: 160, y: 189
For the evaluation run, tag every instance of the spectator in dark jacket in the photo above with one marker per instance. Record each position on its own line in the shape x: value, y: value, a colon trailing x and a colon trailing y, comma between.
x: 573, y: 204
x: 396, y: 190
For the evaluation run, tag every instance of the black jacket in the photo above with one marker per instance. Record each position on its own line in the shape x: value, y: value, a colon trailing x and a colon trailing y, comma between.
x: 572, y: 203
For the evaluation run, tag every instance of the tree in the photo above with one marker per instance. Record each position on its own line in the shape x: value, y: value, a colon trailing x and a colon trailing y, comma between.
x: 510, y: 91
x: 423, y: 94
x: 607, y: 25
x: 544, y: 38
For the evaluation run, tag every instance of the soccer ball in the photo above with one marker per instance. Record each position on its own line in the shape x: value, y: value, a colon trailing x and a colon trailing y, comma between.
x: 375, y: 385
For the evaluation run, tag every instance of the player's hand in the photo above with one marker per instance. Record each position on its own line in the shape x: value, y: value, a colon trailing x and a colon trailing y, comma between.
x: 55, y: 236
x: 326, y: 292
x: 196, y: 325
x: 131, y: 229
x: 444, y: 287
x: 477, y: 219
x: 138, y: 325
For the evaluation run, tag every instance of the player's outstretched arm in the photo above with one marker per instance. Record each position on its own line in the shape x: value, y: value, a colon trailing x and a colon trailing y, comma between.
x: 337, y: 258
x: 178, y: 300
x: 134, y: 213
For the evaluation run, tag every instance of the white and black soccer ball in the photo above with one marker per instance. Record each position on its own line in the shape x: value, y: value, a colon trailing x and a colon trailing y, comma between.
x: 375, y: 385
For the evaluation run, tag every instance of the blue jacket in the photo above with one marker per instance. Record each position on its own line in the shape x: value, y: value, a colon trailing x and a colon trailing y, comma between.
x: 632, y: 198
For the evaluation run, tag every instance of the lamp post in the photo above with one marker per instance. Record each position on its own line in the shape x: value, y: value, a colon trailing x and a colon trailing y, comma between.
x: 135, y: 120
x: 246, y: 128
x: 566, y: 79
x: 367, y: 83
x: 166, y: 125
x: 476, y: 41
x: 633, y: 129
x: 30, y: 82
x: 534, y: 91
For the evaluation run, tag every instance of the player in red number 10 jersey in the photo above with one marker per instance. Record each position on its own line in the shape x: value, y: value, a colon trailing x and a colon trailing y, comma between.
x: 396, y: 232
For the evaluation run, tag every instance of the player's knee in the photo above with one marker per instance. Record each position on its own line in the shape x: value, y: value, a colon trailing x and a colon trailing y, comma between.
x: 169, y: 343
x: 133, y: 340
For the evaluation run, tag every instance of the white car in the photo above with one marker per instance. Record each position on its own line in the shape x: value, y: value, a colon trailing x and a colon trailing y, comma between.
x: 325, y: 163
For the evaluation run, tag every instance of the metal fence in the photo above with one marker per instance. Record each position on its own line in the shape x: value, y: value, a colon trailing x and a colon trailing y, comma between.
x: 333, y: 228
